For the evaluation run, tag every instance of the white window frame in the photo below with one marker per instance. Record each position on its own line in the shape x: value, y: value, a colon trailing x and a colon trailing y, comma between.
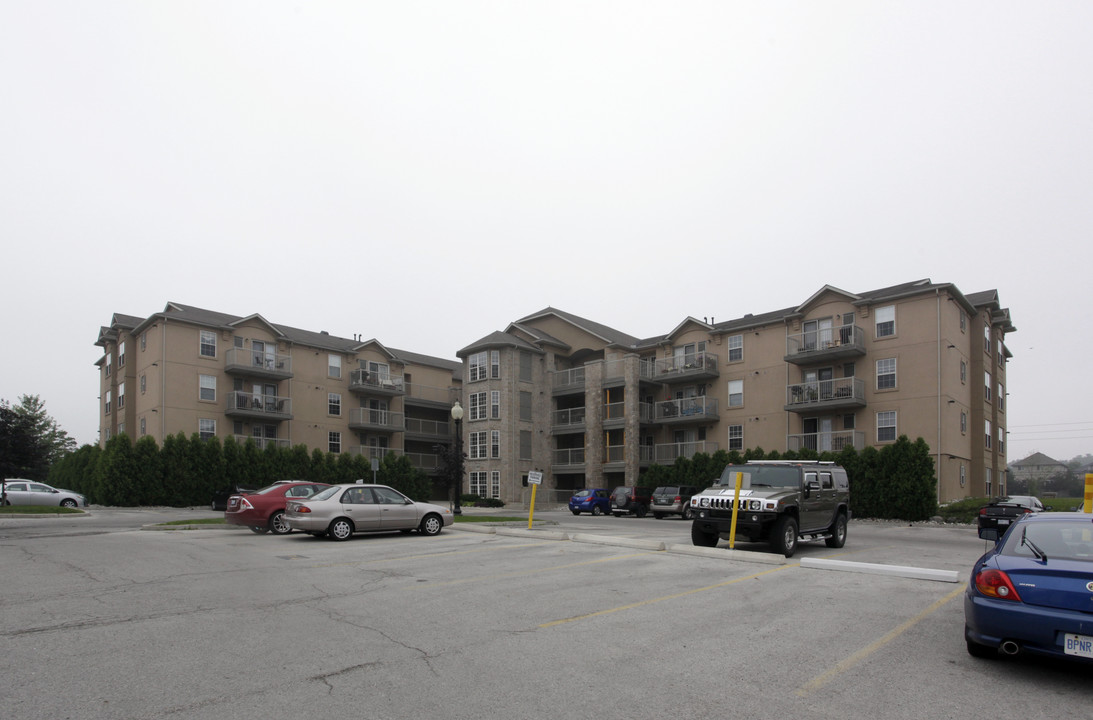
x: 987, y: 432
x: 736, y: 348
x: 887, y: 419
x: 476, y: 409
x: 121, y: 395
x: 334, y: 404
x: 109, y: 401
x: 476, y: 366
x: 495, y: 404
x: 206, y: 428
x: 206, y: 388
x: 987, y: 382
x: 476, y: 444
x: 495, y: 364
x: 881, y: 318
x: 121, y: 354
x: 736, y: 437
x: 495, y: 444
x: 206, y: 342
x: 736, y: 399
x: 886, y: 367
x: 334, y: 442
x: 478, y: 480
x: 333, y: 365
x: 495, y: 484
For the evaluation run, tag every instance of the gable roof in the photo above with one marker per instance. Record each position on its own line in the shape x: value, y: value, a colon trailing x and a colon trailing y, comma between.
x: 604, y: 332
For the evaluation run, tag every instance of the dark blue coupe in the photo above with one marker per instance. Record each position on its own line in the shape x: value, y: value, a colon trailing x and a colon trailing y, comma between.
x: 592, y: 500
x: 1033, y: 592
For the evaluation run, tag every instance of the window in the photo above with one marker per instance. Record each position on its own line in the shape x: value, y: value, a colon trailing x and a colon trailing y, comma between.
x: 525, y: 406
x: 848, y: 422
x: 206, y: 428
x: 736, y: 437
x: 886, y: 426
x: 963, y: 475
x: 987, y: 433
x: 121, y: 396
x: 987, y: 386
x: 109, y: 401
x: 736, y: 348
x: 334, y: 441
x: 143, y: 384
x: 334, y: 366
x: 987, y: 339
x: 1001, y: 353
x: 736, y: 393
x: 109, y: 369
x: 525, y: 444
x: 886, y: 321
x: 143, y: 427
x: 525, y: 366
x: 963, y: 372
x: 477, y: 406
x: 143, y: 341
x: 495, y: 404
x: 886, y: 373
x: 495, y: 364
x: 477, y: 366
x: 121, y: 428
x: 333, y: 404
x: 495, y: 484
x: 495, y: 444
x: 478, y: 483
x: 1001, y: 440
x: 963, y: 422
x: 987, y: 474
x: 206, y: 388
x: 1001, y: 397
x: 208, y: 344
x: 963, y: 328
x: 477, y: 445
x: 121, y: 354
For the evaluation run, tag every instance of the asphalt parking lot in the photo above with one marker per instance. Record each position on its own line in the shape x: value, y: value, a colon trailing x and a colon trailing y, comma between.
x: 104, y: 620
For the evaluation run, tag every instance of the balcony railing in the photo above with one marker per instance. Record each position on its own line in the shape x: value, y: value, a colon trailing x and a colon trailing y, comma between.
x: 615, y: 454
x: 667, y: 453
x: 369, y: 419
x: 257, y: 363
x: 429, y: 394
x: 825, y: 344
x: 835, y: 393
x: 569, y: 456
x: 834, y: 441
x: 689, y: 409
x: 614, y: 411
x: 375, y: 383
x: 263, y: 443
x: 432, y: 429
x: 424, y: 461
x: 693, y: 366
x: 568, y: 418
x: 373, y: 453
x: 572, y: 379
x: 266, y: 407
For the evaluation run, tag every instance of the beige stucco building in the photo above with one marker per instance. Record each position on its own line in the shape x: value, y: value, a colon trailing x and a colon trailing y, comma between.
x: 591, y: 406
x: 586, y: 404
x: 191, y: 370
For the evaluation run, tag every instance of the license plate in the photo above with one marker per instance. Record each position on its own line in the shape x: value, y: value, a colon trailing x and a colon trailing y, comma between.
x: 1079, y: 645
x: 1004, y: 522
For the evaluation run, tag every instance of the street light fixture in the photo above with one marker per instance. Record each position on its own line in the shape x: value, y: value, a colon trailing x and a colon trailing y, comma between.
x: 457, y: 480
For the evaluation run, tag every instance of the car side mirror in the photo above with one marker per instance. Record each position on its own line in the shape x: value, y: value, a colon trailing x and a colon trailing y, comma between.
x: 991, y: 534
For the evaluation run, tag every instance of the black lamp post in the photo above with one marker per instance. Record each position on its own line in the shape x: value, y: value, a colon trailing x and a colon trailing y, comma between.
x: 457, y: 471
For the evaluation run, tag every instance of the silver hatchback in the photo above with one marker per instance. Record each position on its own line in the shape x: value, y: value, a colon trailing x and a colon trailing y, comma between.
x: 18, y: 491
x: 341, y: 510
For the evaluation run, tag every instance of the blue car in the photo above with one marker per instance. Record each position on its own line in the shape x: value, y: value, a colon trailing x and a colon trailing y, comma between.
x: 593, y: 500
x: 1033, y: 592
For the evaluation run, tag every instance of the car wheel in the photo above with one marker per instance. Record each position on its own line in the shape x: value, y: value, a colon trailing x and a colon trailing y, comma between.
x: 575, y: 512
x: 640, y: 512
x: 259, y: 529
x: 340, y: 529
x: 431, y: 524
x: 688, y: 514
x: 838, y: 532
x: 597, y: 510
x: 68, y: 503
x: 783, y: 536
x: 701, y: 538
x: 278, y: 525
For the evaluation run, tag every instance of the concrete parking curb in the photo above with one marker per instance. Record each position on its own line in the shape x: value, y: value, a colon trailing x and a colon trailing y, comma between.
x: 950, y: 576
x: 540, y: 534
x: 620, y: 541
x: 728, y: 554
x: 196, y: 526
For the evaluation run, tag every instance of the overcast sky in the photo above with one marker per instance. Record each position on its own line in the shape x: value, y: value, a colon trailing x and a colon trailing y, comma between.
x: 423, y: 173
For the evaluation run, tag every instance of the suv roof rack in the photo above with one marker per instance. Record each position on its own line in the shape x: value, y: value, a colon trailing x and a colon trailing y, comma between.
x: 791, y: 462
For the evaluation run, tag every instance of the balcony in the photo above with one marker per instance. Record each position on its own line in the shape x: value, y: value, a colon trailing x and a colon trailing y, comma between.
x: 372, y: 452
x: 569, y: 457
x: 686, y: 368
x: 267, y: 408
x: 826, y: 441
x: 616, y: 454
x: 565, y: 382
x: 257, y: 364
x: 666, y: 454
x: 381, y: 420
x: 570, y: 420
x: 263, y: 443
x: 373, y: 383
x: 840, y: 394
x: 428, y: 396
x: 614, y: 414
x: 826, y: 345
x: 428, y: 430
x: 686, y: 410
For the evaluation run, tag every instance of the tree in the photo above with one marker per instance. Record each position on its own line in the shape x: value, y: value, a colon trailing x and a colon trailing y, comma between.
x: 56, y: 441
x: 22, y: 454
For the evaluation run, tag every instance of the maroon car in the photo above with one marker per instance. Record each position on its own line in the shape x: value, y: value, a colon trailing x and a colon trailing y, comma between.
x: 264, y: 510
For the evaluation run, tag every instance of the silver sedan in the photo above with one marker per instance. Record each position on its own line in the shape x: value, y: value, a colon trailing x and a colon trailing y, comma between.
x: 18, y: 491
x: 341, y: 510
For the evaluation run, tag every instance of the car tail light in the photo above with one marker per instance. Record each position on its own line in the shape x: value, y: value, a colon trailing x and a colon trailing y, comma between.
x: 679, y: 499
x: 243, y: 502
x: 996, y: 584
x: 982, y: 511
x: 303, y: 509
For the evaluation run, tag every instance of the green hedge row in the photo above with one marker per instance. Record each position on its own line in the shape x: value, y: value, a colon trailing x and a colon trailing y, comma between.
x: 895, y: 482
x: 188, y: 471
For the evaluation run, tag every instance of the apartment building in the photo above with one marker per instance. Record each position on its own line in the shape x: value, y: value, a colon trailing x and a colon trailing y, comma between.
x: 591, y: 406
x: 191, y: 370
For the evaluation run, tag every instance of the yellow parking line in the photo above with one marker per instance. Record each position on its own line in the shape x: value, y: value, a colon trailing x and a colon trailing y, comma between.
x: 523, y: 573
x: 673, y: 596
x: 402, y: 558
x: 820, y: 680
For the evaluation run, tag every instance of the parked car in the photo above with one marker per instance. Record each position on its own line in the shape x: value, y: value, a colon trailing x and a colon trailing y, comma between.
x: 1031, y: 592
x: 627, y: 499
x: 1001, y: 512
x: 341, y: 510
x: 264, y: 510
x: 590, y: 500
x: 673, y: 500
x: 18, y: 491
x: 220, y: 499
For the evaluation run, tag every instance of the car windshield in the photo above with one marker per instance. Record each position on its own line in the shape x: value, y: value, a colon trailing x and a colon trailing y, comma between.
x: 326, y: 494
x: 784, y: 476
x: 268, y: 488
x: 668, y: 490
x: 583, y: 493
x: 1052, y: 540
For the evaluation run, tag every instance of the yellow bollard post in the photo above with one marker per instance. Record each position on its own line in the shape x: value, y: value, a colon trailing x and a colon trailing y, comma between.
x: 531, y: 513
x: 735, y: 509
x: 1088, y: 503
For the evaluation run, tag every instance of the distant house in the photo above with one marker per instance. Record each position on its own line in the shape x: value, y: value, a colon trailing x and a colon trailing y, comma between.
x: 1037, y: 467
